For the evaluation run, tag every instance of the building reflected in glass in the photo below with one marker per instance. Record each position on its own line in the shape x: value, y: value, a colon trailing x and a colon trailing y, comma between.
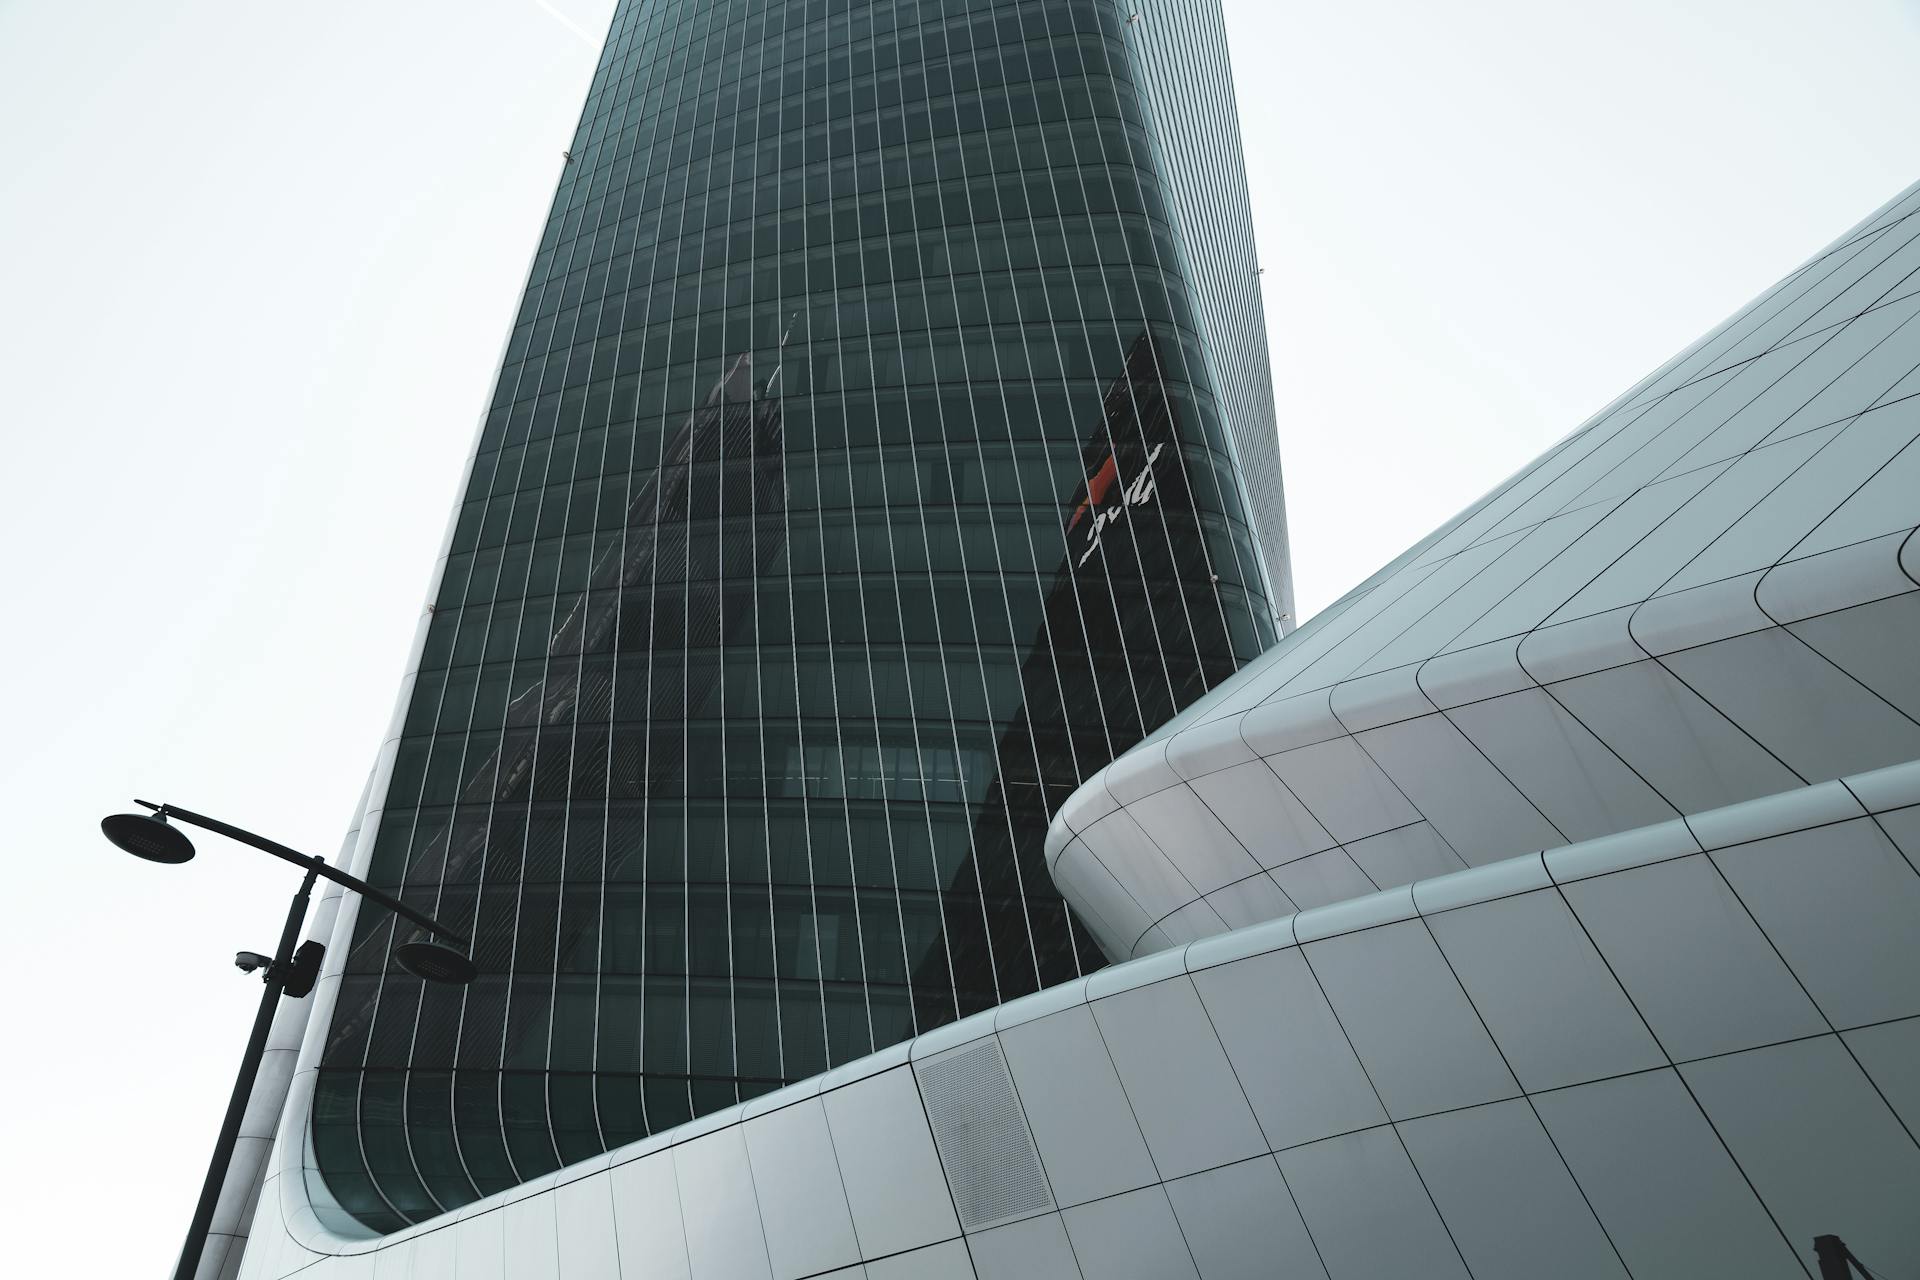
x: 867, y: 468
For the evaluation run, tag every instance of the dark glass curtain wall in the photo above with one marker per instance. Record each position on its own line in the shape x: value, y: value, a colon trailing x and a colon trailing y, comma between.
x: 855, y: 485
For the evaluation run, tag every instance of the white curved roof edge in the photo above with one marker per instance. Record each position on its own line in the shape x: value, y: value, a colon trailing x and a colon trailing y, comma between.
x: 1820, y: 583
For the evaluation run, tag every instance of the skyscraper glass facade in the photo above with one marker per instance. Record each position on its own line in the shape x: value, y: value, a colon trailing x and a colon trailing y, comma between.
x: 859, y: 479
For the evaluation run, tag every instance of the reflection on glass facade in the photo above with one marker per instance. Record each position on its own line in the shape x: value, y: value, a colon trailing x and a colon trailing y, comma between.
x: 856, y: 483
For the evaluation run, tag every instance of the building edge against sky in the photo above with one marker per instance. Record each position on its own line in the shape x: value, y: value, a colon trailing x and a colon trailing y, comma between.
x: 884, y: 443
x: 1682, y: 1040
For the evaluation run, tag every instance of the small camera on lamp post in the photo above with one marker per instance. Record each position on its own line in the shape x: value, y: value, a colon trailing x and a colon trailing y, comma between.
x: 249, y: 961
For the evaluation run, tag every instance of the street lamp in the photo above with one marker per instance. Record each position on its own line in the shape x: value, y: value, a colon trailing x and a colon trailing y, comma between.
x: 153, y: 837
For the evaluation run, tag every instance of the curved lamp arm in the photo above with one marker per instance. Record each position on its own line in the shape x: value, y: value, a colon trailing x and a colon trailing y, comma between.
x: 318, y: 866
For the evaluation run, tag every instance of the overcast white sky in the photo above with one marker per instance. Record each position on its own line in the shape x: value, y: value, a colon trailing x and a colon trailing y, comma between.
x: 257, y: 262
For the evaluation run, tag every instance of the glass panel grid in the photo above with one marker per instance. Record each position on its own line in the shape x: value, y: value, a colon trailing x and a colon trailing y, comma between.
x: 858, y: 480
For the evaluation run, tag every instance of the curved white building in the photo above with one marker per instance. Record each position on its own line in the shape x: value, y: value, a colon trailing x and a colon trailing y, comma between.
x: 1686, y: 1052
x: 1547, y: 907
x: 1704, y: 595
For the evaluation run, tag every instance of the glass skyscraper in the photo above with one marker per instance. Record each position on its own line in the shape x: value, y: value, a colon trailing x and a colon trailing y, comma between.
x: 883, y: 445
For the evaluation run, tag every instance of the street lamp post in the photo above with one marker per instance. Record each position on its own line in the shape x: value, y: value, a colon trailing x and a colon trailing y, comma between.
x: 290, y: 973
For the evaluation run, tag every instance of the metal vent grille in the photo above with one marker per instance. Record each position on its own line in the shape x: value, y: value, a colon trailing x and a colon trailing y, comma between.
x: 982, y: 1136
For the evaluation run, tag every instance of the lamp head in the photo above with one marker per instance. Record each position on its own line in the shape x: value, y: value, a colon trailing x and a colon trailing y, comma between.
x: 148, y: 836
x: 435, y: 963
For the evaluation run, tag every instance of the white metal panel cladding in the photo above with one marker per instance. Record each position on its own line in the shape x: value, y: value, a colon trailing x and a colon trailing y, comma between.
x: 1721, y: 1157
x: 1708, y: 592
